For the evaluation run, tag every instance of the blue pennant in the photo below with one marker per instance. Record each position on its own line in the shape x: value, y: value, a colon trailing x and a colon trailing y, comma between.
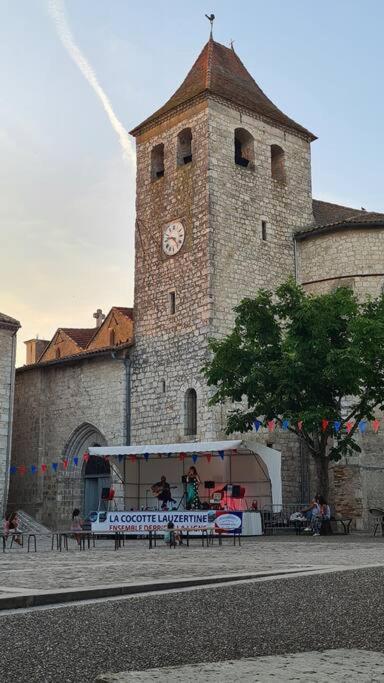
x: 76, y: 461
x: 55, y: 466
x: 257, y: 424
x: 33, y: 469
x: 146, y: 456
x: 13, y: 469
x: 194, y: 457
x: 337, y: 425
x: 285, y: 424
x: 362, y: 426
x: 221, y: 454
x: 120, y: 457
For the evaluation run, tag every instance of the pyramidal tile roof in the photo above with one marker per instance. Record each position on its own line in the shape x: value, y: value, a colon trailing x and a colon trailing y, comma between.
x: 219, y: 71
x: 80, y: 335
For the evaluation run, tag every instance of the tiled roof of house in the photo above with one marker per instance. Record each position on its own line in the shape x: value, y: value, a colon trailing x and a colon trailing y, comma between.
x: 88, y: 353
x: 8, y: 320
x: 81, y: 336
x: 334, y: 216
x: 219, y: 71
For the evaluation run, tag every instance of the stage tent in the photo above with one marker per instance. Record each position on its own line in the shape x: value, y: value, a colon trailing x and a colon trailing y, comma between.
x: 221, y: 462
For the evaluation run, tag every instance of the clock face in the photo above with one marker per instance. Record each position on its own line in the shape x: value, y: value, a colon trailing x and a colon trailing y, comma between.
x: 173, y: 238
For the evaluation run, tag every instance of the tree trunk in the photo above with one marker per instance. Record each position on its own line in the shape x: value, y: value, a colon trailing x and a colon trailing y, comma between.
x: 322, y: 470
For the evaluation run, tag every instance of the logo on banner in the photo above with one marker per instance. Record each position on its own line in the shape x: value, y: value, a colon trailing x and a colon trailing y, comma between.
x: 228, y: 521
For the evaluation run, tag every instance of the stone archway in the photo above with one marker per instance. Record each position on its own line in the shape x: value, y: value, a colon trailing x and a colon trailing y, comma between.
x: 95, y: 474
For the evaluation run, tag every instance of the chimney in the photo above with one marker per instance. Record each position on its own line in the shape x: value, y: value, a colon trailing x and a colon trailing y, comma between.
x: 35, y: 347
x: 100, y: 317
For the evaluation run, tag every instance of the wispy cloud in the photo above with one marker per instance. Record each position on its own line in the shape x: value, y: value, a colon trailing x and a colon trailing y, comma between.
x: 58, y: 14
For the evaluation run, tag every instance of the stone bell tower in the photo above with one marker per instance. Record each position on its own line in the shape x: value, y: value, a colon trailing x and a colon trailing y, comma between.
x: 223, y: 178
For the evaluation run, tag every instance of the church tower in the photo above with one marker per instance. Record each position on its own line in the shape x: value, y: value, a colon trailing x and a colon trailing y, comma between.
x: 223, y: 179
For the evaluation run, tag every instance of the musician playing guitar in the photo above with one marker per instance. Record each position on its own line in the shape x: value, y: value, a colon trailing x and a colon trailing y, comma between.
x: 163, y: 492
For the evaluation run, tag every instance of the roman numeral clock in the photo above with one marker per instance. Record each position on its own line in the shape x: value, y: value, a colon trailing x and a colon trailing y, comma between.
x: 173, y: 238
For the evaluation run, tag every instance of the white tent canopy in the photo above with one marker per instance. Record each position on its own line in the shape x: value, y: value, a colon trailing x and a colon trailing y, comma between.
x: 199, y: 447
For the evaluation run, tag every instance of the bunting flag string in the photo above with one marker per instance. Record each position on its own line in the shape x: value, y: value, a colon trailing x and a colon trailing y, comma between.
x: 332, y: 427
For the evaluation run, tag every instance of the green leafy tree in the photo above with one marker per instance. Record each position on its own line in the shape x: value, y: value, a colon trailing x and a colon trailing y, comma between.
x: 303, y: 359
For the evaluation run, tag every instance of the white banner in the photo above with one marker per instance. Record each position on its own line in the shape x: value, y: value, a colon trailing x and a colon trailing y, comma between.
x: 143, y: 521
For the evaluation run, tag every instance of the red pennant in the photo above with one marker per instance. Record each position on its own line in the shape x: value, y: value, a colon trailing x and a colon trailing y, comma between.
x: 324, y: 425
x: 182, y: 456
x: 86, y: 457
x: 22, y: 469
x: 271, y: 425
x: 209, y: 456
x: 43, y: 467
x: 300, y: 425
x: 376, y: 425
x: 234, y: 451
x: 349, y: 426
x: 65, y: 464
x: 106, y: 458
x: 132, y: 458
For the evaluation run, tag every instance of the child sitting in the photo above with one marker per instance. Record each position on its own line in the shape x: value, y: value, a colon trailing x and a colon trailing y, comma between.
x: 171, y: 537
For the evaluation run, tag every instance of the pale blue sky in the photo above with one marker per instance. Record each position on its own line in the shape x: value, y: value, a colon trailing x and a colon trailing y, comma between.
x: 67, y: 196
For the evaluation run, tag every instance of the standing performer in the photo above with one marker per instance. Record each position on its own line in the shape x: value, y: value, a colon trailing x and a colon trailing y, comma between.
x: 193, y: 483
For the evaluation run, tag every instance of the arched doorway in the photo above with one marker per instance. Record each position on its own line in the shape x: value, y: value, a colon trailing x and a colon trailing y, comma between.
x: 95, y: 473
x: 97, y: 476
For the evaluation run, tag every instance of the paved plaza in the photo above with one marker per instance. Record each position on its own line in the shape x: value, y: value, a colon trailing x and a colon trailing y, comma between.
x: 22, y: 572
x: 357, y: 666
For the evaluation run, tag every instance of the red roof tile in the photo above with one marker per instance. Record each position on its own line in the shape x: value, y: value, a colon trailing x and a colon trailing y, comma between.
x: 81, y: 336
x: 219, y: 71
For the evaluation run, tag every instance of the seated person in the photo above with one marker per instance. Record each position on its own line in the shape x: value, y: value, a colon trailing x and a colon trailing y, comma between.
x: 311, y: 511
x: 163, y: 492
x: 321, y: 519
x: 172, y: 536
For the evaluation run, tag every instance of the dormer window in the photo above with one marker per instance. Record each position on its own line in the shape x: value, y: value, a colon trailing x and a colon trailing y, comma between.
x: 157, y: 162
x: 278, y: 164
x: 184, y: 147
x: 244, y: 147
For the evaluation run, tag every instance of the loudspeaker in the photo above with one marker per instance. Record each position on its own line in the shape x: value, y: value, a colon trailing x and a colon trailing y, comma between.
x: 235, y: 491
x: 209, y: 484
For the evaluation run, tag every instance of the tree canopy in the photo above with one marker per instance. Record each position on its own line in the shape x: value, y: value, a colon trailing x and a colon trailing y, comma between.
x: 303, y: 359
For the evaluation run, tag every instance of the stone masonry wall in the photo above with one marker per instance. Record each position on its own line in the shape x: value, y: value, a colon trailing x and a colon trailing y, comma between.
x: 171, y: 348
x: 51, y: 404
x: 7, y: 374
x: 350, y: 257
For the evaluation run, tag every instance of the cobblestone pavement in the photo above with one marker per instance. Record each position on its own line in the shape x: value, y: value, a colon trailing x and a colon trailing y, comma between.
x: 358, y: 666
x: 21, y: 572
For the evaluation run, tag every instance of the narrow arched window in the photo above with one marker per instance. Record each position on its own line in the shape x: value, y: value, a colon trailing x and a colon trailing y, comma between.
x: 190, y: 412
x: 112, y: 337
x: 244, y: 147
x: 184, y: 147
x: 278, y: 163
x: 157, y: 162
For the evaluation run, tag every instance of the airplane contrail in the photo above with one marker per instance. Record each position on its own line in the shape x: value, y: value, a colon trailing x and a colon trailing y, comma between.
x: 57, y: 12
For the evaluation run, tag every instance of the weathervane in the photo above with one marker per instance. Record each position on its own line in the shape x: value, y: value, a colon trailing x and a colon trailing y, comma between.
x: 211, y: 19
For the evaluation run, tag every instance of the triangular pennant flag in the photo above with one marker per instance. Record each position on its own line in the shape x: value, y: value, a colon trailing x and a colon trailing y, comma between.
x: 22, y: 469
x: 349, y: 426
x: 300, y: 425
x: 376, y: 425
x: 55, y: 466
x: 257, y: 425
x: 33, y: 469
x: 182, y: 456
x: 146, y: 456
x: 13, y: 469
x: 132, y: 458
x: 362, y: 426
x: 324, y: 425
x: 234, y: 451
x: 76, y: 461
x: 43, y: 467
x: 285, y: 424
x: 337, y: 425
x: 194, y: 457
x: 120, y: 457
x: 209, y: 456
x: 271, y: 425
x: 65, y: 463
x: 221, y: 454
x: 86, y: 457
